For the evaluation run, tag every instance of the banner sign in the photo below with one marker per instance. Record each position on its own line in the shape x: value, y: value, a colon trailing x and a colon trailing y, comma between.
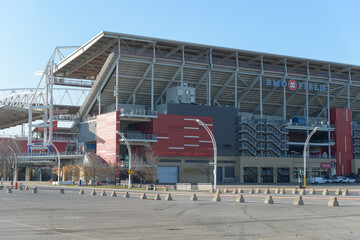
x: 325, y: 165
x: 293, y: 85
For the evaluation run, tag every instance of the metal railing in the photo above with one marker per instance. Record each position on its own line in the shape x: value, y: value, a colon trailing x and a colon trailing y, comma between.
x: 139, y: 137
x: 137, y: 113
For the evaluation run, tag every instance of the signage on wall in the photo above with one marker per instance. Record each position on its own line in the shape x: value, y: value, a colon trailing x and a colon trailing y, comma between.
x: 293, y: 85
x: 325, y: 165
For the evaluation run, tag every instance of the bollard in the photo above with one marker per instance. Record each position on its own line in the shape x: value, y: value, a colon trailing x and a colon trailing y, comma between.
x: 295, y: 191
x: 34, y: 190
x: 218, y: 191
x: 9, y: 190
x: 143, y: 196
x: 312, y: 191
x: 282, y: 191
x: 267, y: 191
x: 93, y: 193
x: 251, y: 191
x: 139, y: 185
x: 21, y: 188
x: 277, y: 191
x: 217, y: 198
x: 268, y: 200
x: 168, y: 197
x: 155, y: 188
x: 147, y: 187
x: 193, y: 197
x: 241, y: 190
x: 333, y: 202
x: 345, y: 193
x: 113, y: 194
x: 302, y: 192
x: 27, y: 188
x: 103, y: 193
x: 157, y: 197
x: 240, y: 199
x: 226, y: 190
x: 338, y: 191
x: 81, y: 192
x: 235, y: 191
x: 127, y: 195
x: 62, y: 191
x: 258, y: 190
x: 298, y: 200
x: 166, y: 189
x: 325, y: 192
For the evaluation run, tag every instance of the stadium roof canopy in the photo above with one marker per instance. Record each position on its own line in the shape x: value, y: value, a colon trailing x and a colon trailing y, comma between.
x: 212, y: 71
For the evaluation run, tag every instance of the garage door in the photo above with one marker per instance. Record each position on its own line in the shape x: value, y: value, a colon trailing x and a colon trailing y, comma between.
x: 168, y: 174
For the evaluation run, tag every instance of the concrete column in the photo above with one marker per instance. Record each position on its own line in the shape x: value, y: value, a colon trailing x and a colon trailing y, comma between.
x: 291, y: 174
x: 275, y: 175
x: 181, y: 170
x: 27, y: 173
x: 259, y: 174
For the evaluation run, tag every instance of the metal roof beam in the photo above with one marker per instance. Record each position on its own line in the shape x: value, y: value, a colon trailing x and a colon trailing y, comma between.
x: 168, y: 85
x: 287, y: 101
x: 93, y: 55
x: 225, y: 86
x: 140, y: 82
x: 202, y: 78
x: 310, y: 101
x: 174, y: 51
x: 248, y: 89
x: 267, y: 96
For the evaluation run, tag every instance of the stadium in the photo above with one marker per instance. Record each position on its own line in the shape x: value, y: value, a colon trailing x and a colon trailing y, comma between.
x: 149, y: 92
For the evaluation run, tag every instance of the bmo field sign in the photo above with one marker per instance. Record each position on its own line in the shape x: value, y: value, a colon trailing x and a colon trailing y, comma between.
x: 293, y: 85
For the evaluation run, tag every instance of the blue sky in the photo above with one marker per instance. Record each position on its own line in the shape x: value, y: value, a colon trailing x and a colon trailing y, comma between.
x: 325, y: 30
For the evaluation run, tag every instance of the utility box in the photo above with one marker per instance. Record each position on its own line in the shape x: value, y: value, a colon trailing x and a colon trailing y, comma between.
x: 179, y: 94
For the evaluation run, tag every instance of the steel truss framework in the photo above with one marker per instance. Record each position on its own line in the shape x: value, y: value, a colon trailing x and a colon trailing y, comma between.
x: 143, y: 68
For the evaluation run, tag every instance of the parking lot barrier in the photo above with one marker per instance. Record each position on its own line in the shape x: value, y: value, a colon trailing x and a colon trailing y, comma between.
x: 218, y: 191
x: 298, y: 200
x: 168, y: 197
x: 103, y: 193
x: 193, y: 197
x: 325, y: 192
x: 93, y: 193
x: 283, y: 191
x: 312, y: 191
x: 235, y: 191
x: 143, y: 196
x: 113, y: 194
x: 267, y: 191
x: 333, y: 202
x: 241, y: 190
x: 251, y: 191
x: 62, y: 191
x: 277, y: 191
x: 81, y: 192
x: 345, y: 193
x: 217, y: 198
x: 127, y: 195
x: 27, y: 188
x: 9, y: 190
x: 147, y: 188
x: 157, y: 197
x: 268, y: 200
x: 34, y: 190
x: 295, y: 191
x: 226, y: 190
x: 166, y: 189
x: 240, y: 199
x: 258, y: 190
x: 155, y: 188
x: 302, y: 192
x: 338, y: 191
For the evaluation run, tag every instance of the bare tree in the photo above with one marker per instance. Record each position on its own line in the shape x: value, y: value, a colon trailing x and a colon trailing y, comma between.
x: 93, y: 165
x: 145, y: 165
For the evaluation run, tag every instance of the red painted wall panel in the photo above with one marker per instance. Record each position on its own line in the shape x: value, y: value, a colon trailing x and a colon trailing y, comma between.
x: 180, y: 135
x: 342, y: 118
x: 107, y: 143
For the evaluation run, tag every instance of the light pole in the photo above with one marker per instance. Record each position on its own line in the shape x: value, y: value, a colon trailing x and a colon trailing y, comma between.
x: 305, y: 147
x: 16, y: 162
x: 58, y: 155
x: 201, y: 123
x: 129, y: 152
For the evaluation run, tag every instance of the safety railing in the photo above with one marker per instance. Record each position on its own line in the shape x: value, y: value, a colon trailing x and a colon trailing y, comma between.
x: 137, y: 113
x: 139, y: 137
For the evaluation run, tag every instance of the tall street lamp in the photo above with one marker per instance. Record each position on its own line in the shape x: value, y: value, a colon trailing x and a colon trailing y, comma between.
x: 305, y: 147
x: 58, y: 155
x: 129, y: 152
x: 201, y: 123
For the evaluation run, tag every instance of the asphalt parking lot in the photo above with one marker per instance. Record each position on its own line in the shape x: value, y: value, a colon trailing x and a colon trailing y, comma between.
x: 51, y: 215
